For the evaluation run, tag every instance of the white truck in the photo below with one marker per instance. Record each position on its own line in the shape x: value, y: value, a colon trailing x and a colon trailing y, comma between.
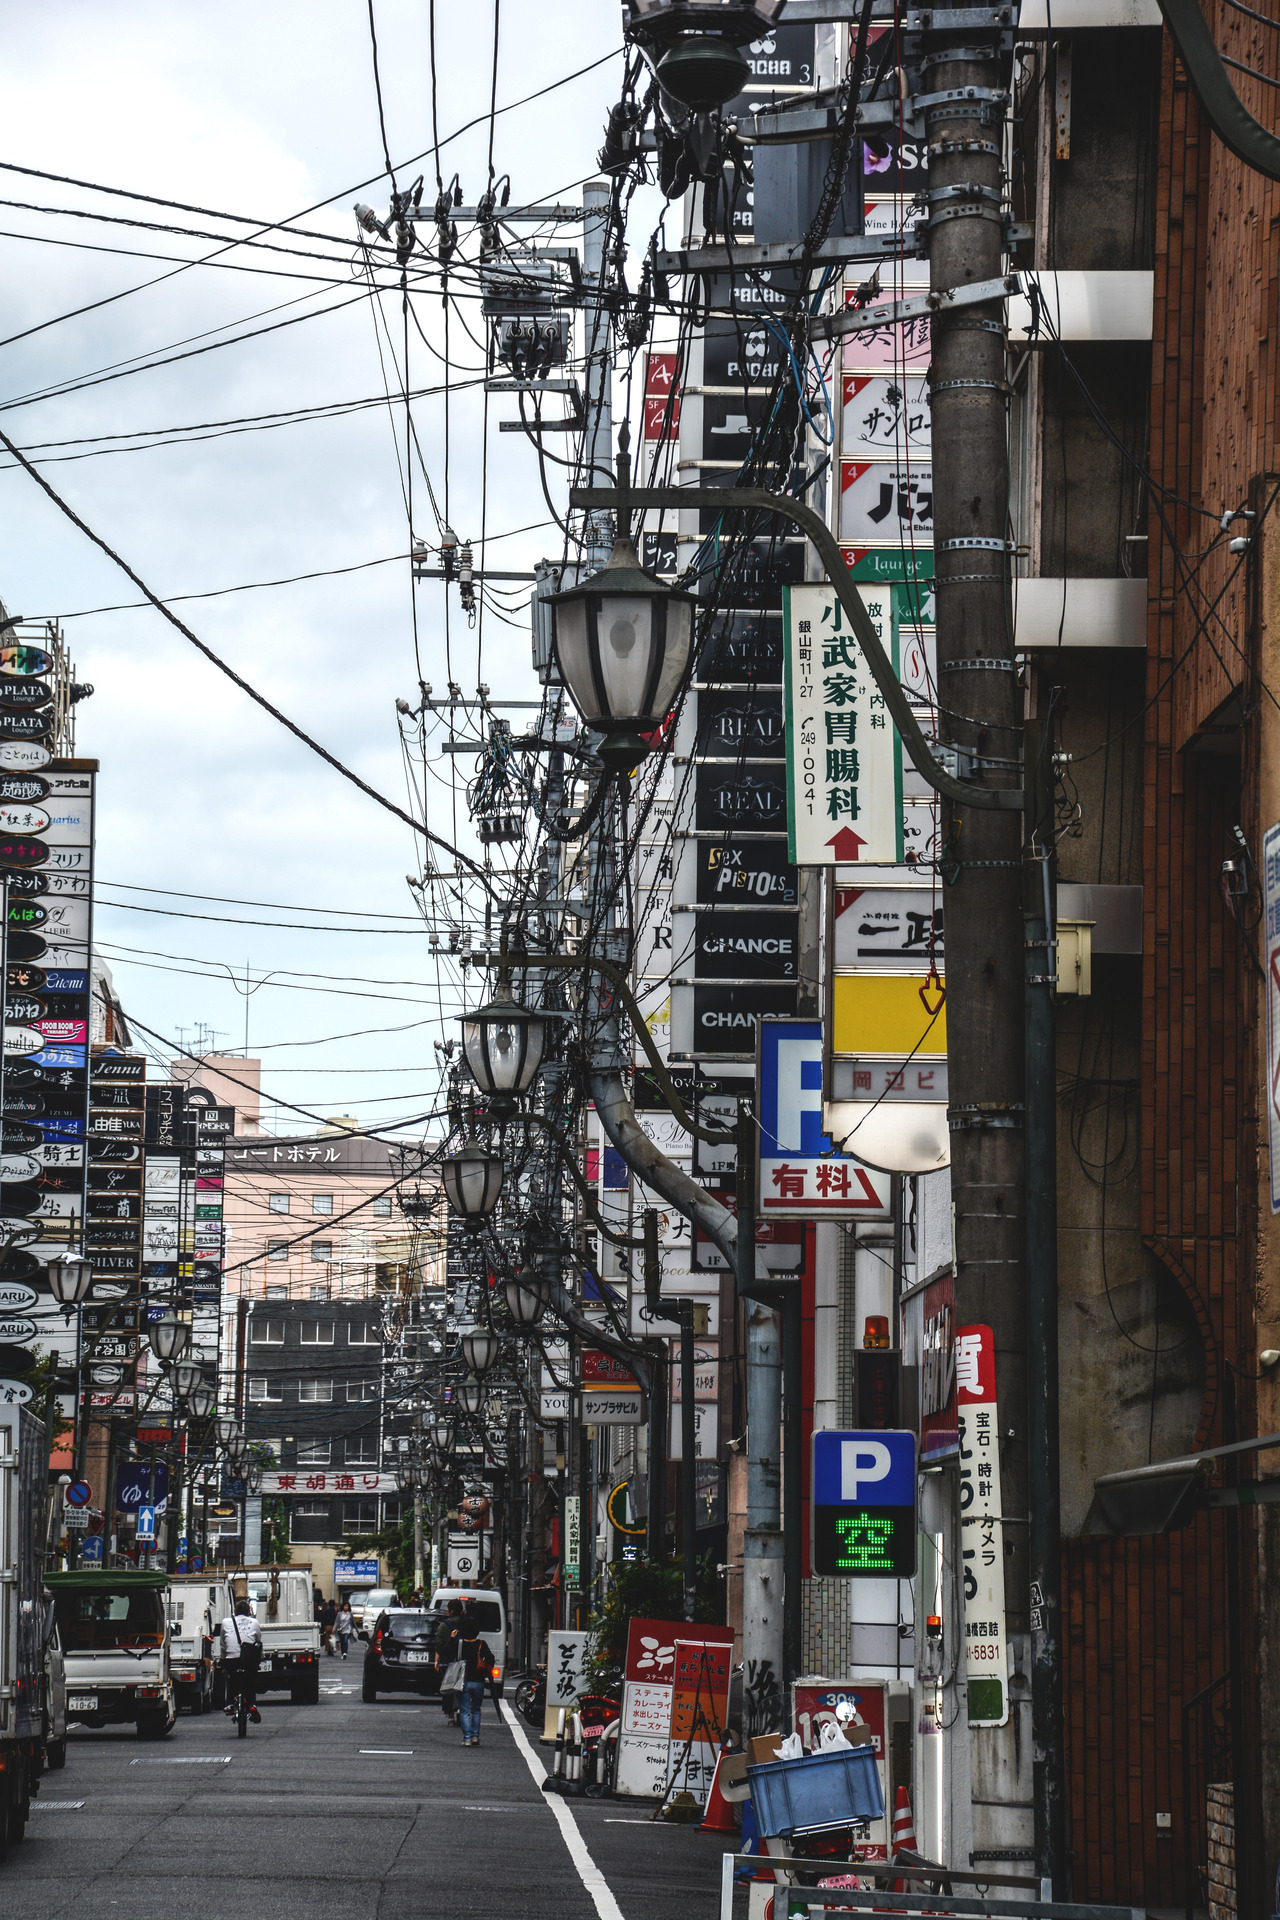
x: 281, y: 1598
x: 195, y: 1604
x: 115, y: 1643
x: 24, y: 1456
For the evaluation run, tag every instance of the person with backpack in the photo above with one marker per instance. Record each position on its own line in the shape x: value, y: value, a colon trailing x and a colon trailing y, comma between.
x: 446, y: 1655
x: 241, y: 1653
x: 477, y: 1661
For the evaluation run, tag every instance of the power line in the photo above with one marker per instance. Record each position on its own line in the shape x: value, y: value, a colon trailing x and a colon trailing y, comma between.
x: 222, y: 666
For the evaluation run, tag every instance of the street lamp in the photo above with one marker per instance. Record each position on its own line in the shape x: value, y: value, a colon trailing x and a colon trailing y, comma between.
x: 470, y: 1395
x: 526, y: 1302
x: 253, y: 1479
x: 623, y: 640
x: 202, y: 1401
x: 697, y: 45
x: 442, y: 1434
x: 184, y: 1377
x: 480, y: 1348
x: 168, y: 1335
x: 70, y: 1278
x: 228, y: 1428
x: 503, y: 1042
x: 472, y: 1180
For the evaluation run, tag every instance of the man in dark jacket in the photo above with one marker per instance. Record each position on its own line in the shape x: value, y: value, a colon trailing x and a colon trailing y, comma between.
x: 448, y: 1642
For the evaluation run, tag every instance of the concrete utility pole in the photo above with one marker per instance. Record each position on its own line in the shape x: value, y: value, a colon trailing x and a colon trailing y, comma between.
x: 964, y: 105
x: 597, y: 446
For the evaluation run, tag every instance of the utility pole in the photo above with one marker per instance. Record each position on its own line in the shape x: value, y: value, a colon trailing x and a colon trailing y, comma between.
x: 980, y: 714
x: 597, y: 450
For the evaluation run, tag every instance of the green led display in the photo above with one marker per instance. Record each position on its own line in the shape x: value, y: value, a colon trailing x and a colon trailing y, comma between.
x: 864, y: 1542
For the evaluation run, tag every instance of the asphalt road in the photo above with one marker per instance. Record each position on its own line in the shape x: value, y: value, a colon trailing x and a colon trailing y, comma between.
x: 318, y: 1814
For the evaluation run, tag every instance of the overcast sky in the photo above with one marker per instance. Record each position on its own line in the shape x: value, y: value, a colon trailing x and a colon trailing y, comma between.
x: 261, y: 110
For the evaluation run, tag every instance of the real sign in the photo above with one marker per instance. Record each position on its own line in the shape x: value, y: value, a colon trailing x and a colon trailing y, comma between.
x: 864, y: 1505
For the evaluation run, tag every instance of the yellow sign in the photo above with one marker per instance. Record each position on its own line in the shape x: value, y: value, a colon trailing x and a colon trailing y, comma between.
x: 883, y: 1013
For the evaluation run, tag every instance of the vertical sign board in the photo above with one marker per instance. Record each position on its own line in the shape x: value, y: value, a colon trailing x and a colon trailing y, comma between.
x: 1271, y: 937
x: 572, y: 1538
x: 699, y: 1711
x: 844, y: 756
x: 981, y: 1529
x: 567, y: 1656
x: 863, y: 1513
x: 648, y: 1699
x: 800, y: 1175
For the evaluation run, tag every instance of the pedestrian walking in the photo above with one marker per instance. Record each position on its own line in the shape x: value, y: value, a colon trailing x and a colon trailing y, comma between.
x: 446, y: 1656
x: 344, y: 1626
x: 477, y: 1660
x: 328, y: 1613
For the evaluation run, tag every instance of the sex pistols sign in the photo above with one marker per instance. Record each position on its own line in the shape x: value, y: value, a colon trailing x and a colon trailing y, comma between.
x: 981, y: 1527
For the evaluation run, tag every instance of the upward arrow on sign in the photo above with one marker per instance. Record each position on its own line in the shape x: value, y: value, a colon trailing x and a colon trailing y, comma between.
x: 847, y: 843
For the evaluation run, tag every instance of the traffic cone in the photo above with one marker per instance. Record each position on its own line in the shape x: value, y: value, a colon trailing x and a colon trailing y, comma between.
x: 904, y: 1833
x: 718, y: 1817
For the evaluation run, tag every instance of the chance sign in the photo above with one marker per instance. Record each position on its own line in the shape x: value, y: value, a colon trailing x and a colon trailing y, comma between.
x: 864, y: 1505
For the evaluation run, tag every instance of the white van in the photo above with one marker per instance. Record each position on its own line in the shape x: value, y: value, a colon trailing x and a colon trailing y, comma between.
x: 490, y: 1611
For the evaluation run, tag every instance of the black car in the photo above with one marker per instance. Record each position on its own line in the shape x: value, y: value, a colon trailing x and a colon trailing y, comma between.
x: 401, y: 1654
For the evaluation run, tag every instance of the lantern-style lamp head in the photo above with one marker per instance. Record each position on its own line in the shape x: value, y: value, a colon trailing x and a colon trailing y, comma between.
x: 70, y: 1278
x: 525, y: 1299
x: 470, y: 1395
x: 168, y: 1336
x: 472, y: 1181
x: 480, y: 1349
x: 697, y: 44
x: 623, y: 641
x: 503, y: 1042
x: 442, y: 1434
x: 228, y: 1428
x: 202, y: 1401
x: 184, y: 1376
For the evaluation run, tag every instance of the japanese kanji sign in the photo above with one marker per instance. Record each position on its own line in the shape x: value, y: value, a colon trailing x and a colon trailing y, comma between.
x: 844, y: 756
x: 981, y: 1527
x: 1271, y: 941
x: 864, y: 1504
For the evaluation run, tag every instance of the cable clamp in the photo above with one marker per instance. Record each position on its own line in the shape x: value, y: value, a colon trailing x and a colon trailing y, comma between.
x: 969, y: 579
x: 976, y: 666
x: 955, y: 386
x: 966, y: 543
x: 957, y: 96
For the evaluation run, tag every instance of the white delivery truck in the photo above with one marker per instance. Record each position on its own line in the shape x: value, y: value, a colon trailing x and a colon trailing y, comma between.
x: 115, y: 1643
x: 282, y: 1605
x: 24, y: 1456
x: 195, y: 1603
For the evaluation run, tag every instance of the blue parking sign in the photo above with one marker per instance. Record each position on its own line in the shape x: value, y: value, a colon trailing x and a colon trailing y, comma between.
x: 864, y: 1504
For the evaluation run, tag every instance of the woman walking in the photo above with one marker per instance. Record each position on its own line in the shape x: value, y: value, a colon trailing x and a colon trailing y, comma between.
x: 344, y: 1627
x: 478, y: 1662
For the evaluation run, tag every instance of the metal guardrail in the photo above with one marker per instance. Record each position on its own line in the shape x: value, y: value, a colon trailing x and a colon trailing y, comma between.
x: 868, y: 1900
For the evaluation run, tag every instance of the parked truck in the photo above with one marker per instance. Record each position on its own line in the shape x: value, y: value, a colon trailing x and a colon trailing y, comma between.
x: 24, y: 1457
x: 195, y: 1604
x: 115, y: 1643
x: 281, y: 1598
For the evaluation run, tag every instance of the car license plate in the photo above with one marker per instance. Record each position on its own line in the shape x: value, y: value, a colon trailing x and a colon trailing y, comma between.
x: 417, y: 1656
x: 82, y: 1703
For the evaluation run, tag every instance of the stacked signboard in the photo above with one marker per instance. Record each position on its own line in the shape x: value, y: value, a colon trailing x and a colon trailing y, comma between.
x: 113, y: 1229
x: 182, y: 1205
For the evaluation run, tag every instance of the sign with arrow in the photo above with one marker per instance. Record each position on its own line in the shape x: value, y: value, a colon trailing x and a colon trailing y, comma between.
x: 844, y: 754
x: 801, y: 1177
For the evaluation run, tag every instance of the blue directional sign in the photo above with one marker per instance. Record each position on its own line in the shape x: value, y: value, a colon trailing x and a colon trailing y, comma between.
x: 864, y: 1505
x: 146, y: 1523
x: 91, y: 1549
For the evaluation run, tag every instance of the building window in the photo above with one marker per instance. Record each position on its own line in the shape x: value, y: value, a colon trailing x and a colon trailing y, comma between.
x: 360, y: 1516
x: 362, y: 1452
x: 276, y: 1293
x: 312, y: 1509
x: 261, y: 1388
x: 265, y: 1332
x: 310, y: 1520
x: 277, y: 1249
x: 315, y: 1391
x: 382, y: 1207
x: 313, y: 1453
x: 317, y: 1333
x: 322, y: 1250
x: 322, y: 1203
x: 278, y: 1202
x: 361, y: 1392
x: 362, y: 1336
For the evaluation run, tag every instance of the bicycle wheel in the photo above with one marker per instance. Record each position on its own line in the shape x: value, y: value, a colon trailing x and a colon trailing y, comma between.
x: 242, y: 1715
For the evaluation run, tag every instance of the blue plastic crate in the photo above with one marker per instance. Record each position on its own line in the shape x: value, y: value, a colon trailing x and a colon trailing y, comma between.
x: 821, y: 1790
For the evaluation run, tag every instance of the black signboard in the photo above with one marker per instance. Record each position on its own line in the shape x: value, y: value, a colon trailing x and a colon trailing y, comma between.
x: 23, y: 1010
x: 26, y: 726
x: 768, y: 527
x: 20, y: 850
x: 114, y: 1206
x: 27, y: 885
x: 27, y: 913
x: 23, y: 786
x: 783, y: 59
x: 116, y: 1179
x: 19, y: 1265
x: 100, y: 1233
x: 744, y: 647
x: 64, y: 1179
x: 890, y: 165
x: 110, y: 1097
x: 19, y: 1104
x: 661, y: 553
x: 730, y: 423
x: 746, y: 946
x: 21, y: 1197
x: 114, y: 1150
x: 649, y: 1097
x: 27, y: 946
x: 755, y: 579
x: 725, y: 1018
x: 25, y: 979
x: 752, y: 797
x: 118, y: 1066
x: 741, y: 724
x: 16, y: 1138
x: 741, y: 352
x: 22, y: 696
x: 745, y: 872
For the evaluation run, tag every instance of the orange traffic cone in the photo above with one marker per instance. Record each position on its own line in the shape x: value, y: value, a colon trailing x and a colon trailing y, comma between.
x: 904, y: 1833
x: 719, y: 1817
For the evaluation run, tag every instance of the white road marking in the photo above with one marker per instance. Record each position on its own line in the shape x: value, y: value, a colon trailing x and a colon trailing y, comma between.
x: 53, y: 1806
x: 378, y: 1751
x: 186, y: 1760
x: 616, y: 1822
x: 588, y: 1872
